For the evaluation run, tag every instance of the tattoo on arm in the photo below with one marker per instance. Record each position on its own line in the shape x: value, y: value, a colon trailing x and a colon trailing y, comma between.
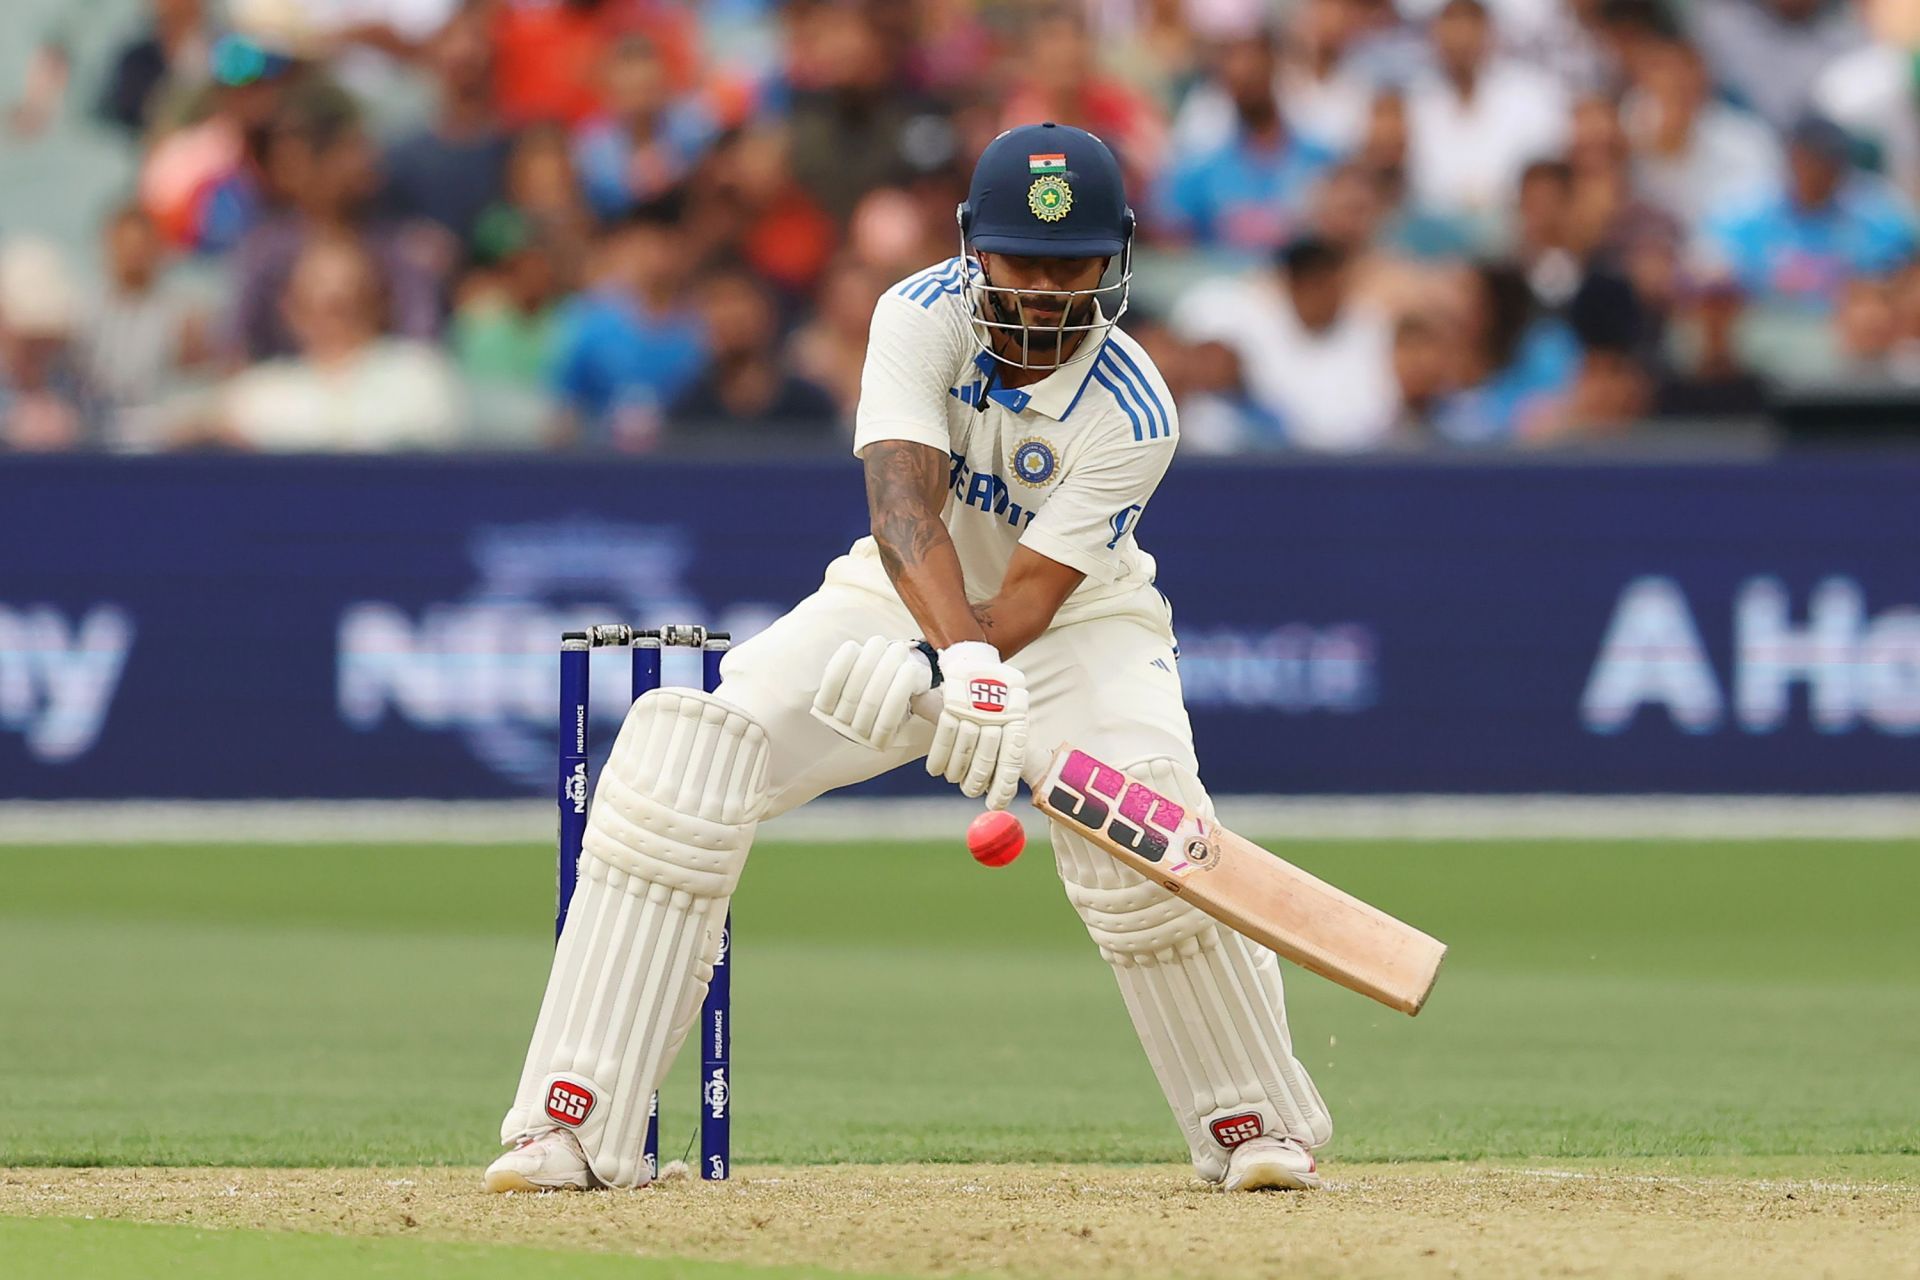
x: 904, y: 491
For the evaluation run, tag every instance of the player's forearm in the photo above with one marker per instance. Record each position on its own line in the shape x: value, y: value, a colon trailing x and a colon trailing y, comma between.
x: 1030, y: 595
x: 906, y: 487
x: 927, y: 576
x: 1010, y: 625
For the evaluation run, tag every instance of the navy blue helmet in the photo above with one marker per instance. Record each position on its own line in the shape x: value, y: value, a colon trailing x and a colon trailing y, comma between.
x: 1046, y: 191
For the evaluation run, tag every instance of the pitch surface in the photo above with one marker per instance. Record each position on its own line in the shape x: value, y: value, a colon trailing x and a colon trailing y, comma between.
x: 1696, y: 1026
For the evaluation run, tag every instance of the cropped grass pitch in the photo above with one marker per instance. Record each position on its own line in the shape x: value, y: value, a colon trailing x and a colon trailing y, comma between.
x: 315, y: 1006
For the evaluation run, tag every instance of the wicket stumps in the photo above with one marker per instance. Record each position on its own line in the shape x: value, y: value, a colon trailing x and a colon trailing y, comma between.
x: 576, y: 789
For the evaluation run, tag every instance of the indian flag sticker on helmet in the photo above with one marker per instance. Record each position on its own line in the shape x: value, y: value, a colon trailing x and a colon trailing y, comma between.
x: 1053, y: 162
x: 1050, y: 198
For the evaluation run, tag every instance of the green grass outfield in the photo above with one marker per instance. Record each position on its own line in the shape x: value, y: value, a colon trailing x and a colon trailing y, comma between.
x: 137, y: 1251
x: 304, y: 1006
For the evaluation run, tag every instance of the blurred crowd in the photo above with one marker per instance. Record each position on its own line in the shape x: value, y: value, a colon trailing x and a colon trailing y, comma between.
x: 646, y: 224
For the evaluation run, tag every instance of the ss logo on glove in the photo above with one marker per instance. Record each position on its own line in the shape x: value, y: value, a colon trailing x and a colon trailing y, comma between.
x: 988, y: 694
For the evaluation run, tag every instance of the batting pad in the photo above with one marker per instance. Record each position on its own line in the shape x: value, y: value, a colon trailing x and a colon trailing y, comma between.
x: 1207, y: 1003
x: 672, y: 820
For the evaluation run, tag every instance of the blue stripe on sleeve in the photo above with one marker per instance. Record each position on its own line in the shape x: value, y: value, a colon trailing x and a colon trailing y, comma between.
x: 1100, y: 372
x: 929, y: 285
x: 1145, y: 387
x: 919, y: 279
x: 1118, y: 379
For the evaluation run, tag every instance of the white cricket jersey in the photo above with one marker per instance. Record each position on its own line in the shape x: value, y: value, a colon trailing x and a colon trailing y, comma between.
x: 1065, y: 465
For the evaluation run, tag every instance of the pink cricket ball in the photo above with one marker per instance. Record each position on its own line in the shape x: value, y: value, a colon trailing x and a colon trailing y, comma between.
x: 995, y: 838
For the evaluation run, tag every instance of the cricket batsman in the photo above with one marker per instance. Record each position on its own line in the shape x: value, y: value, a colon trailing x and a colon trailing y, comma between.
x: 1012, y: 438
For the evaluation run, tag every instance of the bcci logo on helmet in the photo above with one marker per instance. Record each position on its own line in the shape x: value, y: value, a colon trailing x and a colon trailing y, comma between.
x: 714, y: 1093
x: 1050, y: 198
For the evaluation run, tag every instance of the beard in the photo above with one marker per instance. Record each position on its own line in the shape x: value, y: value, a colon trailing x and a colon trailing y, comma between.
x: 1037, y: 335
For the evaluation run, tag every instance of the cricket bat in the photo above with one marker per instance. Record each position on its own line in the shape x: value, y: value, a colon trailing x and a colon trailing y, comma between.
x: 1241, y: 885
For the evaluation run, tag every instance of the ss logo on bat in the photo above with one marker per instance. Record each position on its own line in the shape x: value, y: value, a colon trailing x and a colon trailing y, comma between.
x: 1102, y: 799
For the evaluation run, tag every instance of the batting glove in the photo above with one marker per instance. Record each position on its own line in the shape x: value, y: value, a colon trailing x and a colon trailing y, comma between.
x: 980, y: 741
x: 867, y: 690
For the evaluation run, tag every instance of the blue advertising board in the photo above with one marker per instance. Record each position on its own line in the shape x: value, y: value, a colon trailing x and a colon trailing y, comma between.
x: 217, y: 627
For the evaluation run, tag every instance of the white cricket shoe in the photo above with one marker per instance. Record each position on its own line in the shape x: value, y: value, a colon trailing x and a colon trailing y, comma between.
x: 550, y: 1161
x: 1269, y: 1163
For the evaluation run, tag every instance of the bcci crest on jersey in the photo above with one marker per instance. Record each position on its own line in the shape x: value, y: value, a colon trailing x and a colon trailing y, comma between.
x: 1033, y: 462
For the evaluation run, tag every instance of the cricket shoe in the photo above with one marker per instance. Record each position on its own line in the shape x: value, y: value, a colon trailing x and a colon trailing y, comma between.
x: 549, y: 1161
x: 1268, y: 1163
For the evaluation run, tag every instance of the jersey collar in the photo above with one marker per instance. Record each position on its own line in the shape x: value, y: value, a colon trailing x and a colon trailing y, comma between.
x: 1054, y: 395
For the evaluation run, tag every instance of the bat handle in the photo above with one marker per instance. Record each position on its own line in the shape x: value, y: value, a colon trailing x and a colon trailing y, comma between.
x: 927, y: 705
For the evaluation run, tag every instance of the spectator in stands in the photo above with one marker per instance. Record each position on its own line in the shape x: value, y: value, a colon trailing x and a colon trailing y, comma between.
x: 1904, y: 358
x: 747, y: 394
x: 1350, y: 211
x: 452, y: 171
x: 45, y: 403
x: 1306, y: 75
x: 1711, y: 380
x: 1410, y: 228
x: 1323, y: 95
x: 372, y: 48
x: 1422, y: 374
x: 1872, y: 91
x: 1250, y: 193
x: 830, y: 349
x: 505, y: 328
x: 648, y: 141
x: 1388, y: 50
x: 854, y: 118
x: 1476, y: 120
x: 141, y: 334
x: 175, y: 52
x: 202, y: 180
x: 1513, y: 364
x: 1578, y: 43
x: 549, y: 52
x: 1057, y: 76
x: 747, y: 202
x: 1609, y: 212
x: 1546, y: 246
x: 349, y: 388
x: 1865, y: 330
x: 322, y: 164
x: 1155, y: 46
x: 1691, y: 153
x: 543, y: 193
x: 1766, y: 54
x: 1799, y: 244
x: 1611, y: 388
x: 632, y: 345
x: 1313, y: 361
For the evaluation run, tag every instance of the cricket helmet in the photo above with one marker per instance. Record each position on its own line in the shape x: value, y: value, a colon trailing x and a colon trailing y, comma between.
x: 1046, y: 191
